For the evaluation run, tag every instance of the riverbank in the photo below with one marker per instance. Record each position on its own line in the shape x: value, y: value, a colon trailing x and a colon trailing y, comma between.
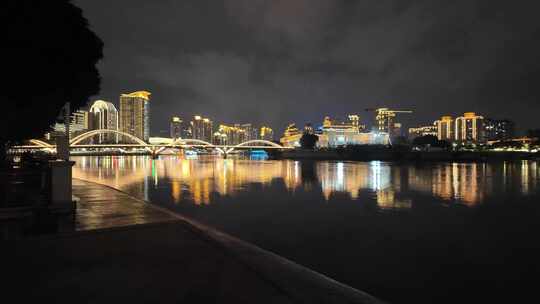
x: 389, y: 154
x: 125, y: 249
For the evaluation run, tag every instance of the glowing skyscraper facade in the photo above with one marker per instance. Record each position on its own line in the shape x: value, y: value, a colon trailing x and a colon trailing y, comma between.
x: 135, y: 114
x: 202, y: 128
x: 445, y: 128
x: 470, y: 128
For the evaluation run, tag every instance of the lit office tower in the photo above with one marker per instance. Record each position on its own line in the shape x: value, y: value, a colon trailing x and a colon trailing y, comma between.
x: 176, y: 127
x: 266, y: 133
x: 135, y: 114
x: 470, y: 128
x: 445, y: 128
x: 103, y: 115
x: 202, y: 128
x: 498, y: 129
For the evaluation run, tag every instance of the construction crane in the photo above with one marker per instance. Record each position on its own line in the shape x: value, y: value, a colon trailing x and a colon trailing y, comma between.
x: 385, y: 120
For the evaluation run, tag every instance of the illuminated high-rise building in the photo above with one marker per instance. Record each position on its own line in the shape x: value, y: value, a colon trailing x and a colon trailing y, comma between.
x: 250, y: 132
x: 103, y: 115
x: 78, y: 124
x: 135, y: 114
x: 498, y: 129
x: 202, y: 128
x: 445, y: 128
x: 470, y: 128
x: 266, y: 133
x: 220, y: 138
x: 176, y: 127
x: 386, y: 123
x: 230, y: 135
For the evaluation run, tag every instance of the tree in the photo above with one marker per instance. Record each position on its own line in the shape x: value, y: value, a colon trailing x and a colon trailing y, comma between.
x: 308, y: 141
x: 400, y: 141
x: 426, y: 140
x: 50, y: 57
x: 533, y: 133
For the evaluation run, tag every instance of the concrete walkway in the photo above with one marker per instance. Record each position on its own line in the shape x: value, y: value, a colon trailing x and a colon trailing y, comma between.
x: 128, y: 250
x: 103, y: 207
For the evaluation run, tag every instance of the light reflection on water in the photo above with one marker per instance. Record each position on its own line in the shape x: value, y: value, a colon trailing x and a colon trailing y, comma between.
x: 402, y: 232
x: 391, y: 185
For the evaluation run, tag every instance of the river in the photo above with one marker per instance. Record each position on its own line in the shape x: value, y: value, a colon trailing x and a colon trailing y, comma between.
x: 409, y: 232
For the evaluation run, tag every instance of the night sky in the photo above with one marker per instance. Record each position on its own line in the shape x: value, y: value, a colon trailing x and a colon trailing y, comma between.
x: 282, y: 61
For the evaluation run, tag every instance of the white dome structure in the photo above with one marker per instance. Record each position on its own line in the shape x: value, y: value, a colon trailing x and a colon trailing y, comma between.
x: 103, y: 115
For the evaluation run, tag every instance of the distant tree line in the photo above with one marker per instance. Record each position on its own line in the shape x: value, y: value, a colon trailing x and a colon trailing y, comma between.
x: 431, y: 141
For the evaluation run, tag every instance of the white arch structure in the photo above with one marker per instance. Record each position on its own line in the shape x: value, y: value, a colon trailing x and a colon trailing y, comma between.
x: 152, y: 148
x: 77, y: 139
x: 186, y: 141
x: 254, y: 141
x: 40, y: 143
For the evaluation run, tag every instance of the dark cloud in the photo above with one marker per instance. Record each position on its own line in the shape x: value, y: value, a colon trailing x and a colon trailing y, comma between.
x: 278, y: 61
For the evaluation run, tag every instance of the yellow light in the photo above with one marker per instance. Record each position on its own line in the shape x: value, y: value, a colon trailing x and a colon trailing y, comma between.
x: 139, y: 94
x: 197, y: 117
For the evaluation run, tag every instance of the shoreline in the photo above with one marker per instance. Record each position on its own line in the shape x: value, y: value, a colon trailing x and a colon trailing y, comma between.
x: 407, y: 156
x: 158, y: 241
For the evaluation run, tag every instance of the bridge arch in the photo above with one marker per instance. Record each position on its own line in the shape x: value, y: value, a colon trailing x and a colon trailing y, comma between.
x: 186, y: 141
x: 255, y: 141
x: 77, y: 139
x: 40, y: 143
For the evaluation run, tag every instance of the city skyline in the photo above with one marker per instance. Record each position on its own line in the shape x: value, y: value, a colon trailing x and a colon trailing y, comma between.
x: 469, y: 127
x: 379, y: 117
x: 270, y: 151
x: 290, y: 61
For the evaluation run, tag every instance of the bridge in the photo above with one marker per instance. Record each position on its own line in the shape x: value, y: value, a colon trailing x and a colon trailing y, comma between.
x: 153, y: 149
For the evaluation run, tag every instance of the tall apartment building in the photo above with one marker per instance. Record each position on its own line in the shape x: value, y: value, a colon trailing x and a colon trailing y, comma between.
x: 202, y: 128
x: 498, y: 129
x: 445, y: 128
x: 470, y: 128
x: 266, y: 133
x: 176, y: 127
x: 135, y: 114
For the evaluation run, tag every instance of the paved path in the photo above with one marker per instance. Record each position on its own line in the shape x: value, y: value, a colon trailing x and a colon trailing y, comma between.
x: 126, y: 250
x: 103, y: 207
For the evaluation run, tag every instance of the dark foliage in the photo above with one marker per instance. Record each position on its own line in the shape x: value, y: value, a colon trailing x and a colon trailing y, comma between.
x: 308, y: 141
x: 432, y: 141
x: 400, y: 141
x: 534, y: 133
x: 425, y: 140
x: 49, y: 58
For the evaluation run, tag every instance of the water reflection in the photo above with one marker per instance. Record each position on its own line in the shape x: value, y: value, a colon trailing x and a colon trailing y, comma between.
x: 391, y: 185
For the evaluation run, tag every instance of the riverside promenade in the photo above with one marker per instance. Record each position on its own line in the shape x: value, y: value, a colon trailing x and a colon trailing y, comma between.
x: 125, y: 249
